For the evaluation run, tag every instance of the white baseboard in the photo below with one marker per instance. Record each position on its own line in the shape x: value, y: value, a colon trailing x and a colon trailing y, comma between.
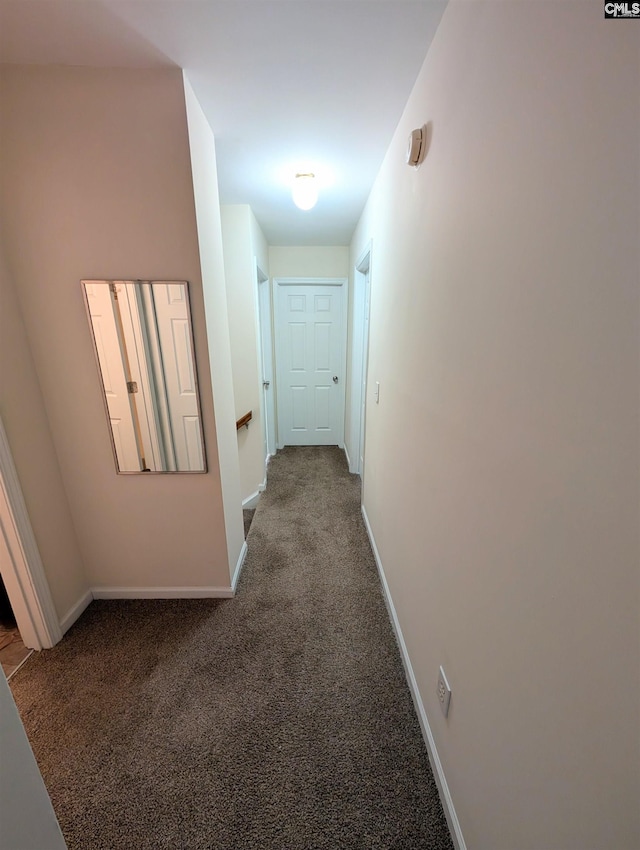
x: 238, y: 569
x: 252, y: 500
x: 75, y: 611
x: 162, y: 592
x: 434, y: 758
x: 262, y: 487
x: 346, y: 452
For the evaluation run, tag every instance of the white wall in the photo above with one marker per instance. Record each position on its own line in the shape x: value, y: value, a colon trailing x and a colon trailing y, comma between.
x: 96, y: 183
x: 259, y: 244
x: 26, y: 814
x: 332, y: 261
x: 25, y: 420
x: 205, y: 185
x: 501, y: 476
x: 240, y: 232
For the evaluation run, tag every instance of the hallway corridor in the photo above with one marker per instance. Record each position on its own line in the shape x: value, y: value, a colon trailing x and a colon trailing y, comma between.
x: 279, y: 720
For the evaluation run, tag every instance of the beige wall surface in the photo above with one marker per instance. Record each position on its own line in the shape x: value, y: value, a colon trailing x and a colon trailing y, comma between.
x: 330, y: 261
x: 96, y: 183
x: 501, y: 476
x: 25, y: 420
x: 239, y: 229
x: 205, y: 187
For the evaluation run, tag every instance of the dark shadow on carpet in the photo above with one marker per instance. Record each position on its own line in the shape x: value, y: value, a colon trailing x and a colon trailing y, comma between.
x: 279, y: 720
x: 247, y: 519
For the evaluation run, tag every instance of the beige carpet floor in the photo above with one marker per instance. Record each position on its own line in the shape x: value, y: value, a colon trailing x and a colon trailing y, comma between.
x: 279, y: 720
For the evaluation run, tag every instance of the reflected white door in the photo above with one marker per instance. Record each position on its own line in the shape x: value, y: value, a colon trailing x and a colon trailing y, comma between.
x: 310, y: 362
x: 133, y: 334
x: 99, y: 299
x: 172, y: 316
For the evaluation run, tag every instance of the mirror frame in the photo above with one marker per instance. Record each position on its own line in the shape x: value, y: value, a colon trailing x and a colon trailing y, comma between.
x: 185, y: 283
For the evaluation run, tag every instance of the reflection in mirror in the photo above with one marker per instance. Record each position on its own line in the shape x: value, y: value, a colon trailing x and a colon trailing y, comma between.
x: 144, y: 346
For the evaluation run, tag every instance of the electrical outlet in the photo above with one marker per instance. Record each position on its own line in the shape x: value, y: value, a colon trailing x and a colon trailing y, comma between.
x: 444, y: 692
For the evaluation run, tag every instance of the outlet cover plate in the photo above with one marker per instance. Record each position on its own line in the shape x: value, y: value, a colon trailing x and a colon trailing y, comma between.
x: 444, y: 692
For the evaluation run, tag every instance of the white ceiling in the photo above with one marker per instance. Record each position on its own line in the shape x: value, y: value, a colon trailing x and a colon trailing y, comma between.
x: 287, y: 85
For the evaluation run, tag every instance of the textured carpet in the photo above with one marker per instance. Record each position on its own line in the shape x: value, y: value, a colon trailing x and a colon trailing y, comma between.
x: 278, y: 720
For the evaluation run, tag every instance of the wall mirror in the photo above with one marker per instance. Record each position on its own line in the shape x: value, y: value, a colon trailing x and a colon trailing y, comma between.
x: 144, y: 349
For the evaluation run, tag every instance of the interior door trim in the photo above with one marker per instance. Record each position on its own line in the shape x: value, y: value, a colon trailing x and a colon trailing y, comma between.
x: 25, y: 579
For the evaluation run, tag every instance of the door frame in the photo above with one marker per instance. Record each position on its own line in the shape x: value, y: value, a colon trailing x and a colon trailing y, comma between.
x: 360, y: 358
x: 266, y: 360
x: 23, y: 571
x: 343, y: 284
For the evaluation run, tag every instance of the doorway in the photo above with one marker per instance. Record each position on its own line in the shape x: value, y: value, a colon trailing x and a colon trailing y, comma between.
x: 310, y: 332
x: 265, y: 355
x: 359, y: 359
x: 13, y: 652
x: 20, y: 563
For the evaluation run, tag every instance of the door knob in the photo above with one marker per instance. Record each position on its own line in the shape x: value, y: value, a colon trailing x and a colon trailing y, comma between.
x: 335, y: 379
x: 266, y: 384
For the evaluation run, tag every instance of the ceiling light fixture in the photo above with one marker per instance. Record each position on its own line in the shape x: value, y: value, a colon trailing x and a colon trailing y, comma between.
x: 305, y: 191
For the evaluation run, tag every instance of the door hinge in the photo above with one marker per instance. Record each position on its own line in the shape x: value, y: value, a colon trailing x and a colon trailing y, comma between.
x: 132, y: 387
x: 114, y: 289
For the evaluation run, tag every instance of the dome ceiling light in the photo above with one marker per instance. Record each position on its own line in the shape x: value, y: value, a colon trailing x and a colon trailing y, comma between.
x: 305, y: 191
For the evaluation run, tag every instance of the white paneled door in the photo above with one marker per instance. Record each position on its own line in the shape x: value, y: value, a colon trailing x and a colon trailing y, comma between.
x: 310, y: 361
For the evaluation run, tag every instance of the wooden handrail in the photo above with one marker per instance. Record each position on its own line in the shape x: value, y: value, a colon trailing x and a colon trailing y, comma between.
x: 244, y: 420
